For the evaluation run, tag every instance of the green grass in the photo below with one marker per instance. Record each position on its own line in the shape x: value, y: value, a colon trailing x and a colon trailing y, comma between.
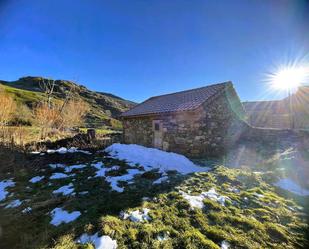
x: 246, y: 221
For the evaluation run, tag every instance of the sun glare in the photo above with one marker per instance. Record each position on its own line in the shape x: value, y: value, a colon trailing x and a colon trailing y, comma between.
x: 289, y: 78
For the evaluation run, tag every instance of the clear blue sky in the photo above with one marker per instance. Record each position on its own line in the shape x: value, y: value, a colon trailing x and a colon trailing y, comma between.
x: 137, y: 49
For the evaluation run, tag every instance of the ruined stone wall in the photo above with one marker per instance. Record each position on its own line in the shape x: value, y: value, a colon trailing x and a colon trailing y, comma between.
x: 207, y: 131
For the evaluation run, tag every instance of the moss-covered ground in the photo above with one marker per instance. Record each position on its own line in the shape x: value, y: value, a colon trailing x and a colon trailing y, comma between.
x: 256, y: 215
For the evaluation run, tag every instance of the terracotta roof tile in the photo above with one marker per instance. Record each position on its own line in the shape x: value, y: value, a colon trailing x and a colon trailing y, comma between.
x: 174, y: 102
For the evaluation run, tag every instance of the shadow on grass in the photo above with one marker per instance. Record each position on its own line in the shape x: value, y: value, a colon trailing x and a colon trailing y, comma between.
x: 33, y: 230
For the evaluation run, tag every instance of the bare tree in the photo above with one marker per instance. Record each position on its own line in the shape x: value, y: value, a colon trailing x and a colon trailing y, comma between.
x: 48, y: 86
x: 46, y: 117
x: 73, y: 113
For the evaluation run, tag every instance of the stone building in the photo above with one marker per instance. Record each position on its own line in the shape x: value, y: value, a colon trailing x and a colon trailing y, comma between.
x: 286, y: 113
x: 197, y: 123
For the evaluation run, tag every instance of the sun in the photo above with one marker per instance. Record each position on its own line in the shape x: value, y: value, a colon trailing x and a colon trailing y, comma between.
x: 289, y: 78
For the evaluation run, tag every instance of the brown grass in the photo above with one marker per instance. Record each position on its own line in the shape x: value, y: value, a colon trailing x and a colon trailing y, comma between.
x: 8, y: 107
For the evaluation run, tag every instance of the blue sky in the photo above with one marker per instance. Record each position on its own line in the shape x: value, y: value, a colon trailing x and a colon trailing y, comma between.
x: 137, y: 49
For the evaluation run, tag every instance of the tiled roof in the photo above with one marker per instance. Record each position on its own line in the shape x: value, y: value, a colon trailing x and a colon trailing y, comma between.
x: 175, y: 102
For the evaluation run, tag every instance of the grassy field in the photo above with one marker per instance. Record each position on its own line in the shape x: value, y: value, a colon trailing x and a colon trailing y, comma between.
x: 255, y: 214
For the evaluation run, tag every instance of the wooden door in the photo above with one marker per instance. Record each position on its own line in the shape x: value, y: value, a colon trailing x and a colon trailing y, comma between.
x: 157, y: 134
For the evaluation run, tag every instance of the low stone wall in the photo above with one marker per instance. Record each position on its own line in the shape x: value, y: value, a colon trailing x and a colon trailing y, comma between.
x: 272, y: 136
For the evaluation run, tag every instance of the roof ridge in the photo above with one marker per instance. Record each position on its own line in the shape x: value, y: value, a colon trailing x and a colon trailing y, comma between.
x: 189, y: 90
x: 188, y: 100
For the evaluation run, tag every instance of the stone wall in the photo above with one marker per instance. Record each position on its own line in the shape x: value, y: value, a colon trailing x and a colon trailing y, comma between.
x: 275, y: 137
x: 207, y: 131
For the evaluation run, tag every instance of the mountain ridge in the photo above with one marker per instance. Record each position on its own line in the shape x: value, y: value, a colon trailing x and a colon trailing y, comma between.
x: 105, y: 108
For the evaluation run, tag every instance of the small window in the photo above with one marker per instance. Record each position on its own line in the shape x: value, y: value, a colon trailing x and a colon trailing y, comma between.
x: 157, y: 126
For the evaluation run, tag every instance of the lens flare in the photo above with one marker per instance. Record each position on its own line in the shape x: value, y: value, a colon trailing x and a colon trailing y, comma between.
x: 289, y: 78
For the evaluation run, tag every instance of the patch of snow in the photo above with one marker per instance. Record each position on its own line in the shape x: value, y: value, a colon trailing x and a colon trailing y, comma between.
x: 113, y: 180
x: 160, y: 180
x: 83, y: 192
x: 61, y: 216
x: 137, y: 215
x: 290, y: 185
x: 115, y: 168
x: 36, y: 179
x: 58, y: 176
x: 101, y: 170
x: 225, y: 245
x: 56, y: 165
x: 162, y: 236
x: 197, y: 200
x: 26, y: 210
x: 65, y: 190
x: 213, y: 195
x: 35, y: 152
x: 74, y: 150
x: 194, y: 200
x: 3, y: 185
x: 98, y: 165
x: 153, y: 158
x: 234, y: 190
x: 103, y: 242
x: 14, y: 204
x: 258, y: 195
x: 69, y: 169
x: 64, y: 150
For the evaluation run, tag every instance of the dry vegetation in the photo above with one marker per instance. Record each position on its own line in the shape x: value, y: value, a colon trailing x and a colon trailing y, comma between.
x: 48, y: 116
x: 8, y: 107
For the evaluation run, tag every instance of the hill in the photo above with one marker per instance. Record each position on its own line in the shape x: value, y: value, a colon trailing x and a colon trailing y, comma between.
x: 104, y: 107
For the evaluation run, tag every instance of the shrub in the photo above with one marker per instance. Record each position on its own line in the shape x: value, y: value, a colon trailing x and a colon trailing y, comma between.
x: 8, y: 107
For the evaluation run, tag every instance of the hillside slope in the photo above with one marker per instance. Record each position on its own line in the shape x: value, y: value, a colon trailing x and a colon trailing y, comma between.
x: 104, y: 107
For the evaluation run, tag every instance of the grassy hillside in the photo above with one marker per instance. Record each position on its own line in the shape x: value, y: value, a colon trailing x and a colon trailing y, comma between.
x: 104, y: 107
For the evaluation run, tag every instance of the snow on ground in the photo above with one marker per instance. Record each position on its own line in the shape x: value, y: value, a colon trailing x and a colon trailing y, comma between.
x: 197, y: 200
x: 258, y: 195
x: 290, y: 185
x: 14, y: 204
x: 113, y: 180
x: 26, y: 210
x: 153, y: 158
x: 65, y: 190
x: 64, y: 150
x: 69, y: 169
x: 163, y: 237
x: 36, y: 179
x: 83, y: 193
x: 160, y: 180
x: 194, y: 200
x: 3, y: 185
x: 56, y: 165
x: 58, y: 176
x: 137, y: 215
x: 225, y: 245
x: 61, y: 216
x: 103, y: 242
x: 101, y: 170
